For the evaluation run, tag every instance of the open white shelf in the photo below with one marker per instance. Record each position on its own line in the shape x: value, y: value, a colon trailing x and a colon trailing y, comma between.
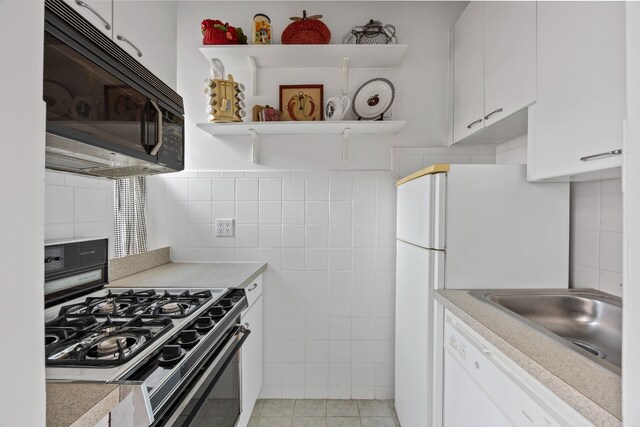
x: 306, y: 56
x: 343, y: 56
x: 344, y: 128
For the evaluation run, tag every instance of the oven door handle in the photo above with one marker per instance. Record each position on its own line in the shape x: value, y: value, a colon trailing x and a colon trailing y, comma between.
x: 215, y: 369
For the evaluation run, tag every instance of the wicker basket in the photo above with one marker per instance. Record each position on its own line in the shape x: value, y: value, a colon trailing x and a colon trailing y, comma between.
x: 306, y: 30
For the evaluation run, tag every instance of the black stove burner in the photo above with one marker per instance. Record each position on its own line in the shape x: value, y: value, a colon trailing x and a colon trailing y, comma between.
x: 85, y: 341
x: 146, y: 303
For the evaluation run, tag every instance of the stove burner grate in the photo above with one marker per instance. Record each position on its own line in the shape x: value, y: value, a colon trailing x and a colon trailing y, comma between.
x: 101, y: 343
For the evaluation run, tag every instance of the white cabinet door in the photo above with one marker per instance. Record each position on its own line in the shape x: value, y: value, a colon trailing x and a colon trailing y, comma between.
x: 147, y: 31
x: 509, y: 58
x: 413, y: 334
x: 251, y: 360
x: 468, y: 72
x: 98, y: 12
x: 580, y: 87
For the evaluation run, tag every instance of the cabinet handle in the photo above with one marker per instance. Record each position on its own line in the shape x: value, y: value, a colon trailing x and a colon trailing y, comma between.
x: 499, y: 110
x: 92, y: 10
x: 470, y: 125
x: 124, y: 39
x: 255, y: 285
x: 605, y: 154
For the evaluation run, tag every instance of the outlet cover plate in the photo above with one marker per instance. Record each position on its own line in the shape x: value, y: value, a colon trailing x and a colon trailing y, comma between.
x: 225, y: 227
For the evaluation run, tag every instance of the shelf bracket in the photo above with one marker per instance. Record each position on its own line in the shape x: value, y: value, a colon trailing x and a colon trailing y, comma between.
x: 345, y: 75
x: 254, y: 77
x: 345, y: 144
x: 255, y: 146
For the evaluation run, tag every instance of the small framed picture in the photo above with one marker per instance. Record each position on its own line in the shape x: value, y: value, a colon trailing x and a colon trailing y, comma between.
x: 302, y: 102
x: 122, y: 103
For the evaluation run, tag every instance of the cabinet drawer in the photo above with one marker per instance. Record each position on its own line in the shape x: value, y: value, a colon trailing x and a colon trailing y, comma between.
x: 254, y: 290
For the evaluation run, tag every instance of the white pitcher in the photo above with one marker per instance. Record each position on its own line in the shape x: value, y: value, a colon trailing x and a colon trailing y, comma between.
x: 336, y: 107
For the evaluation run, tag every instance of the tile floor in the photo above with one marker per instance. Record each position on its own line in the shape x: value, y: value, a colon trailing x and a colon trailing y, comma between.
x: 323, y: 413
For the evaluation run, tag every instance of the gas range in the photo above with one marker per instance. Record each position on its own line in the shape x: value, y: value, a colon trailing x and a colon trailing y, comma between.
x: 163, y: 339
x: 104, y: 335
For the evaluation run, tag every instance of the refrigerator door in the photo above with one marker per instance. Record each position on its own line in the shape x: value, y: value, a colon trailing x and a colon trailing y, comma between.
x: 415, y: 211
x: 414, y: 285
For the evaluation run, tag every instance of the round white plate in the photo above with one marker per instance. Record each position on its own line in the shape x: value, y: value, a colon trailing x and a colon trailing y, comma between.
x: 373, y: 99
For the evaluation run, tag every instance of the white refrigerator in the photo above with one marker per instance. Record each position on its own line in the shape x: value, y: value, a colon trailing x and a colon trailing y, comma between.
x: 466, y: 227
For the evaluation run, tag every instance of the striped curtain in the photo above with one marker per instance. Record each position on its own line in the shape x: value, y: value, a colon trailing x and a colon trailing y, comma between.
x: 130, y: 220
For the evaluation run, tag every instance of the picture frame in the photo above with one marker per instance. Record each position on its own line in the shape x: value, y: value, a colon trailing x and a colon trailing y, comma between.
x: 302, y: 102
x: 122, y: 103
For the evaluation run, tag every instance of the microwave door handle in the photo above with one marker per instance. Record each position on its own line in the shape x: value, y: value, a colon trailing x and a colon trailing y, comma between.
x: 159, y: 138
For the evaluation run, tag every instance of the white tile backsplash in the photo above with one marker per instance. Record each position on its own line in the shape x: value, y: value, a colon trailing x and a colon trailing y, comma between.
x: 78, y: 206
x: 596, y: 236
x: 407, y: 160
x: 328, y: 238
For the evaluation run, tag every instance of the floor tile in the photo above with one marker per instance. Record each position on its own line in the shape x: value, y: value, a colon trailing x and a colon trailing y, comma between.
x: 257, y: 408
x: 310, y: 408
x: 378, y: 422
x: 253, y: 422
x: 342, y: 408
x: 277, y: 408
x: 343, y: 422
x: 275, y: 422
x: 309, y: 422
x: 217, y: 422
x: 374, y: 408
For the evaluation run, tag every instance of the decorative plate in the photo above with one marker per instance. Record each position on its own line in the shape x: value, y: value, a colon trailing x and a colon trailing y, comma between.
x: 373, y: 99
x: 53, y: 94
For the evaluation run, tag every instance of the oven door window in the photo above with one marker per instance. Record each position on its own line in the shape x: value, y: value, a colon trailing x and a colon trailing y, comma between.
x: 213, y: 399
x: 89, y: 104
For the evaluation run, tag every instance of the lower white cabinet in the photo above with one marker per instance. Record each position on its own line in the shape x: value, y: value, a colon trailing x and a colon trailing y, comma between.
x: 483, y: 387
x: 251, y: 356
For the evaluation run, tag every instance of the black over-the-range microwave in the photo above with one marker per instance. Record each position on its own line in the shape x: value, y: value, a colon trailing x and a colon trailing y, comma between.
x: 107, y: 115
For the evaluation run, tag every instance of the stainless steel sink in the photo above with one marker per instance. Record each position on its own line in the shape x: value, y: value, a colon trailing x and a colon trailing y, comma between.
x: 586, y: 321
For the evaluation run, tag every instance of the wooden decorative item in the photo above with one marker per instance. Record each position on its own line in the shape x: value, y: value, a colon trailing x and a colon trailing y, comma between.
x: 226, y: 100
x: 301, y: 102
x: 255, y: 111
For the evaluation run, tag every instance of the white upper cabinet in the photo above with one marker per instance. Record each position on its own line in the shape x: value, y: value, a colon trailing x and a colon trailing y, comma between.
x: 468, y: 72
x: 98, y: 12
x: 147, y: 30
x: 494, y: 65
x: 509, y: 58
x: 580, y: 88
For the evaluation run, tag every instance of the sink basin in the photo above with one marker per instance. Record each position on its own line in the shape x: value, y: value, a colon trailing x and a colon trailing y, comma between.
x: 586, y: 321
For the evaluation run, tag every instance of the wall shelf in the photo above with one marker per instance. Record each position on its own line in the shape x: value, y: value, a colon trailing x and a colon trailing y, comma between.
x: 344, y: 128
x: 343, y: 56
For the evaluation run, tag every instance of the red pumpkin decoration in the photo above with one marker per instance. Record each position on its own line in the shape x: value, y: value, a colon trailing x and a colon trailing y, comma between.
x: 306, y: 30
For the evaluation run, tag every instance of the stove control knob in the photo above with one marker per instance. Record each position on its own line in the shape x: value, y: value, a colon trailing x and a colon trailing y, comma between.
x: 216, y: 311
x: 226, y: 302
x: 171, y: 352
x: 204, y: 323
x: 188, y: 337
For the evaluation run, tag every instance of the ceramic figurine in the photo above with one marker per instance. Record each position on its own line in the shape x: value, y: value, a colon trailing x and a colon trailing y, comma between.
x: 261, y: 29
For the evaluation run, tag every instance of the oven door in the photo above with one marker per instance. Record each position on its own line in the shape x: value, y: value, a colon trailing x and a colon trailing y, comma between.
x: 214, y: 394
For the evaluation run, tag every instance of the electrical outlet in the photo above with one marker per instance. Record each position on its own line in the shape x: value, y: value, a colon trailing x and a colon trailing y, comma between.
x: 224, y: 227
